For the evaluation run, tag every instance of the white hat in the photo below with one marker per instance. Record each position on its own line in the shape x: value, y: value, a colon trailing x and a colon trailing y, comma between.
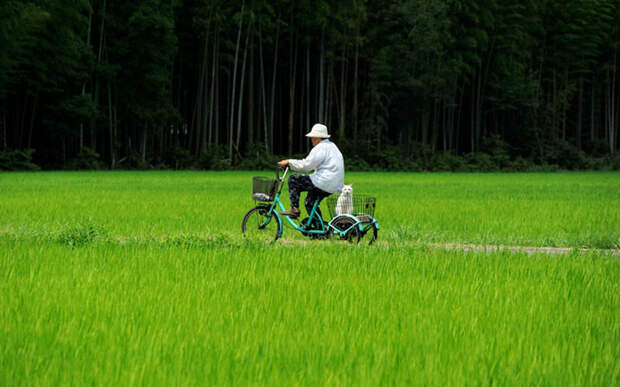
x: 319, y: 131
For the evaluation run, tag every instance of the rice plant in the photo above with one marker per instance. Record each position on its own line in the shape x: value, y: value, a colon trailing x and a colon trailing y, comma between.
x: 142, y: 278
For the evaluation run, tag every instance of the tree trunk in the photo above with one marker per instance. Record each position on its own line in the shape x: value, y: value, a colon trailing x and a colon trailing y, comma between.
x: 32, y: 118
x: 457, y: 136
x: 614, y: 111
x: 343, y: 86
x: 307, y: 93
x: 444, y: 134
x: 111, y: 128
x: 93, y: 121
x: 616, y: 115
x: 322, y: 78
x: 355, y: 85
x: 611, y: 107
x: 197, y: 116
x: 63, y: 153
x: 92, y: 133
x: 564, y: 107
x: 292, y: 77
x: 300, y: 115
x: 251, y: 96
x: 451, y: 114
x: 241, y: 86
x: 478, y: 108
x: 262, y: 86
x: 144, y: 138
x: 592, y: 129
x: 273, y: 89
x: 216, y: 120
x: 426, y: 118
x: 3, y: 130
x: 472, y: 117
x: 201, y: 138
x: 19, y: 135
x: 233, y: 90
x: 326, y: 119
x: 115, y: 122
x: 579, y: 114
x: 211, y: 96
x: 101, y: 31
x: 435, y: 125
x: 90, y: 20
x: 554, y: 104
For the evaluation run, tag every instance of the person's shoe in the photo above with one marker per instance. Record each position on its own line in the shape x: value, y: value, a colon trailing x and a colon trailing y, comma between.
x: 293, y: 213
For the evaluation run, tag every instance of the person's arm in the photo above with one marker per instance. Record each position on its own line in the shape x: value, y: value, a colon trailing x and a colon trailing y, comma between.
x: 310, y: 163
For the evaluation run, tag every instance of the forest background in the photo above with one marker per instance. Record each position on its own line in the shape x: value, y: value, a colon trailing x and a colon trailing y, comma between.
x: 402, y: 84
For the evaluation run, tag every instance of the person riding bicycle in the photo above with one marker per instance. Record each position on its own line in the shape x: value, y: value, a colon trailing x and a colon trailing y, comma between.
x: 327, y: 163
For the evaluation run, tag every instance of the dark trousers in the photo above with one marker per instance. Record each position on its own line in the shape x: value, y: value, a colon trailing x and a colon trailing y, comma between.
x: 302, y: 183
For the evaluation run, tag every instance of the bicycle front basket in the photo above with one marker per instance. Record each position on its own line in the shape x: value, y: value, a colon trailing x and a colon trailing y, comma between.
x: 264, y: 188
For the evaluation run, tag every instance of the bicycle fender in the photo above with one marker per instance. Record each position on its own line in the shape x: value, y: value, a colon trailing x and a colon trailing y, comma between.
x: 353, y: 218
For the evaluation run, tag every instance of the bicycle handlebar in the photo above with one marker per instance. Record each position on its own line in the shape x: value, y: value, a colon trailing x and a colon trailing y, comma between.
x: 278, y: 170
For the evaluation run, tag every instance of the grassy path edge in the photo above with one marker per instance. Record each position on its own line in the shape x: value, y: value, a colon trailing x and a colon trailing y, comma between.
x: 525, y: 249
x: 228, y: 240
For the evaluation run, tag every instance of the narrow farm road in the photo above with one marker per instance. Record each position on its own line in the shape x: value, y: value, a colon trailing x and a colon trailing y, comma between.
x: 525, y: 249
x: 475, y: 248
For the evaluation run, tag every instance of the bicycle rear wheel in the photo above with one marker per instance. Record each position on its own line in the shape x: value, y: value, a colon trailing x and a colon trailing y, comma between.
x: 261, y: 226
x: 370, y: 233
x: 344, y: 223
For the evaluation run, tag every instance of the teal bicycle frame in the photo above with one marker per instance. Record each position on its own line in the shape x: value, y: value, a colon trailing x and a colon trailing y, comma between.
x: 313, y: 214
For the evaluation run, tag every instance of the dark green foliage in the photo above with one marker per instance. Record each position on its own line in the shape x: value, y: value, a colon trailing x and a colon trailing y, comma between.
x: 17, y: 160
x: 388, y: 158
x: 133, y: 161
x: 401, y: 84
x: 214, y: 158
x: 86, y: 159
x: 498, y: 149
x: 356, y: 164
x: 257, y: 158
x: 596, y: 148
x: 480, y: 161
x: 519, y: 164
x: 614, y: 162
x: 179, y: 158
x: 448, y: 162
x: 567, y: 156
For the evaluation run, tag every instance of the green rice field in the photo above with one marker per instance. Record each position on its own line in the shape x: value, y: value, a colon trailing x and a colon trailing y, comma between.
x: 144, y: 278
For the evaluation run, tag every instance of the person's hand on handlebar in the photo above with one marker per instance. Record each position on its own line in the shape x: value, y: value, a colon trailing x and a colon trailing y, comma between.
x: 283, y: 163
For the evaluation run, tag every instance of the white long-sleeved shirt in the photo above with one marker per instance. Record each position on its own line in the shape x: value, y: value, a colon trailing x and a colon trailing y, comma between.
x: 327, y: 163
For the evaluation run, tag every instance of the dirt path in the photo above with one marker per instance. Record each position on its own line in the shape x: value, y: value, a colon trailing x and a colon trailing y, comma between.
x: 525, y: 249
x: 477, y: 248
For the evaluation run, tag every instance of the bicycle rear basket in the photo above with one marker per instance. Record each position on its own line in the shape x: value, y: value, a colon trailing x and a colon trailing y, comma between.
x: 358, y: 205
x: 264, y: 188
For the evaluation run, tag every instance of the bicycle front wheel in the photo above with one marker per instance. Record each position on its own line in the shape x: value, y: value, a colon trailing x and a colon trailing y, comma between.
x: 261, y: 226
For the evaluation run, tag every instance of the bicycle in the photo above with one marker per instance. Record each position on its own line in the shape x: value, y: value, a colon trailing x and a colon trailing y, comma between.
x: 265, y: 223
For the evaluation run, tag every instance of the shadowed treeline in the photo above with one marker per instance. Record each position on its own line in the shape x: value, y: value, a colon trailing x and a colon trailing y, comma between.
x: 409, y: 84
